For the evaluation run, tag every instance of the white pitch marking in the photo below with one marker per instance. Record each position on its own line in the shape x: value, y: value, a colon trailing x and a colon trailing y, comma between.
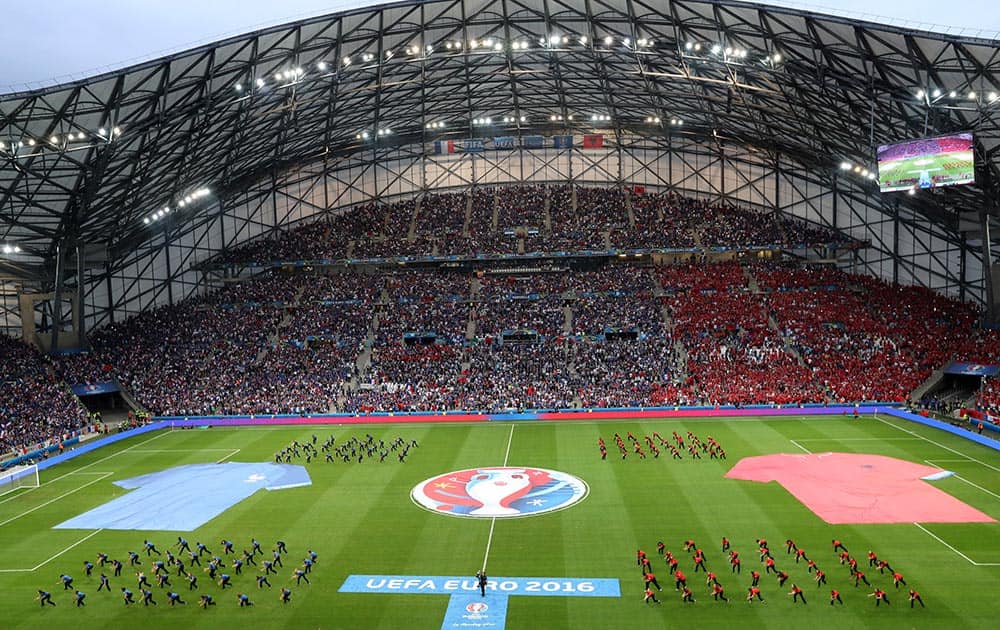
x: 800, y: 446
x: 231, y: 453
x: 493, y: 521
x: 77, y: 471
x: 938, y: 444
x: 181, y: 450
x: 825, y: 439
x: 967, y: 558
x: 65, y: 494
x: 84, y: 539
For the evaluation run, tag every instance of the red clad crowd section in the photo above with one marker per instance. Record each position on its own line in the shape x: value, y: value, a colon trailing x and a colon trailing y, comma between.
x: 694, y: 333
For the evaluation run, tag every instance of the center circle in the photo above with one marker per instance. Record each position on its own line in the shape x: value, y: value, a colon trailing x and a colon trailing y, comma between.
x: 499, y: 492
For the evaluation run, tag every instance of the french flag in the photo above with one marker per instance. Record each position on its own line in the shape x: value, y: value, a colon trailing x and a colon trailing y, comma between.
x: 444, y: 146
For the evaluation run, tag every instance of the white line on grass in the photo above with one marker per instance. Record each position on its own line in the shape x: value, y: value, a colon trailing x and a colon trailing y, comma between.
x: 992, y: 494
x: 182, y: 450
x: 493, y: 522
x: 38, y: 566
x: 830, y: 439
x: 935, y: 462
x: 77, y: 471
x: 82, y: 540
x: 967, y: 558
x: 800, y: 446
x: 938, y: 444
x: 231, y: 453
x: 65, y: 494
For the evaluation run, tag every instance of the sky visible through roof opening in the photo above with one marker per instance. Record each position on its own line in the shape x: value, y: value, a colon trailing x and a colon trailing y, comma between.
x: 61, y: 40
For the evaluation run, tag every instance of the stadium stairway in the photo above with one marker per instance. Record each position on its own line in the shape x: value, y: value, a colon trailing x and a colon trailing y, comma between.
x: 547, y: 213
x: 468, y: 216
x: 129, y: 398
x: 930, y: 383
x: 495, y: 217
x: 411, y: 232
x: 629, y: 212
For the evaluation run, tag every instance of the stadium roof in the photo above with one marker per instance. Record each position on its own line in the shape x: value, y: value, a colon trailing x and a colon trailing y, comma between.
x: 88, y: 161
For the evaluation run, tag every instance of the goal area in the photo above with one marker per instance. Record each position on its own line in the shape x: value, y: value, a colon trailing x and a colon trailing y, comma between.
x: 18, y: 477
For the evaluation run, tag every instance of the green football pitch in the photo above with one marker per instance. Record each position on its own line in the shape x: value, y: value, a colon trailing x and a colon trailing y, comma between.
x: 360, y: 519
x: 942, y: 169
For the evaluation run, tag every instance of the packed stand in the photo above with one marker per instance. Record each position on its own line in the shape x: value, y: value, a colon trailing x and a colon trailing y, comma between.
x: 35, y: 406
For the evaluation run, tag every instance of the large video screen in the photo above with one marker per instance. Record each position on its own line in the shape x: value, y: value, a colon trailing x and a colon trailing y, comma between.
x: 927, y: 163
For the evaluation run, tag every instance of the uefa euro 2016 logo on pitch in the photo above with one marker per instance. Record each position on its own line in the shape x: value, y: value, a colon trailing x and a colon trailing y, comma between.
x: 499, y: 492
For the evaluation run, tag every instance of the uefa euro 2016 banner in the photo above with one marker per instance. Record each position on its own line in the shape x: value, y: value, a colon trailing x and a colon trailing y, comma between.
x: 972, y: 369
x: 508, y: 143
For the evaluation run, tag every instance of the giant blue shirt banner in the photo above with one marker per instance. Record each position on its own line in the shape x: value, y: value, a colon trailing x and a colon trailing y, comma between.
x: 184, y: 498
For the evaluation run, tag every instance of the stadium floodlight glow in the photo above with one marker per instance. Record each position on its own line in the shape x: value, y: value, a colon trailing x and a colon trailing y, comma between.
x: 181, y: 203
x: 524, y: 119
x: 367, y: 57
x: 871, y: 175
x: 238, y: 87
x: 583, y: 40
x: 7, y: 249
x: 31, y: 142
x: 864, y: 172
x: 498, y: 46
x: 322, y: 66
x: 697, y: 47
x: 447, y: 45
x: 920, y: 93
x: 993, y: 96
x: 911, y: 191
x: 728, y: 51
x: 260, y: 83
x: 972, y: 96
x: 845, y: 166
x: 554, y: 40
x: 277, y: 77
x: 473, y: 44
x: 166, y: 209
x: 145, y: 220
x: 299, y: 71
x: 715, y: 49
x: 488, y: 43
x: 609, y: 40
x: 565, y: 39
x: 54, y: 139
x: 688, y: 46
x: 641, y: 42
x: 347, y: 61
x: 936, y: 93
x: 627, y: 41
x: 952, y: 94
x: 570, y: 117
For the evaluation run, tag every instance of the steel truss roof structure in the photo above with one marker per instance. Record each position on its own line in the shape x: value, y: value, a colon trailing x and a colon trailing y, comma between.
x: 95, y: 160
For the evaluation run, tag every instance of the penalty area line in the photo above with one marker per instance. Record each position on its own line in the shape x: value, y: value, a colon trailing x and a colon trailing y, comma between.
x: 800, y: 446
x: 938, y: 444
x: 493, y: 521
x: 45, y: 562
x: 50, y: 501
x: 231, y: 453
x: 967, y: 558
